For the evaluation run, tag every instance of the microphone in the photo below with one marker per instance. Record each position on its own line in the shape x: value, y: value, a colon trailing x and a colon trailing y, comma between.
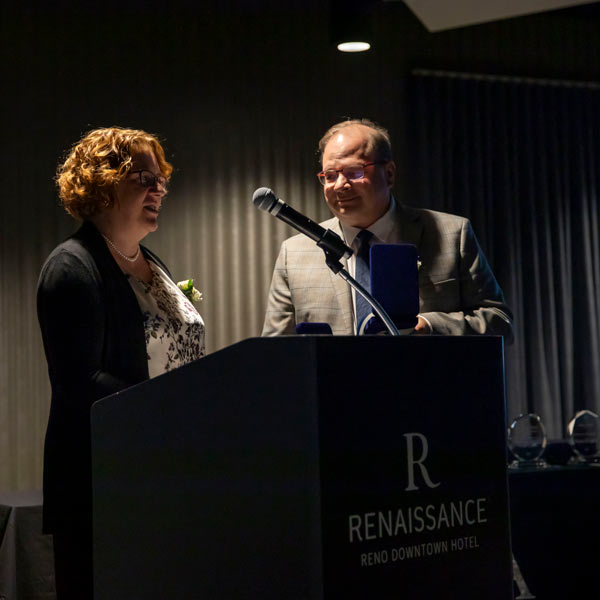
x: 332, y: 244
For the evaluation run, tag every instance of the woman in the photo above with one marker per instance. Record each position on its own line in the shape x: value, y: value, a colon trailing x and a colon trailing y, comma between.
x: 110, y: 317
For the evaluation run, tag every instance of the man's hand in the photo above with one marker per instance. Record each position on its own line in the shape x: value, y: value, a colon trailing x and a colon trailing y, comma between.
x: 422, y: 327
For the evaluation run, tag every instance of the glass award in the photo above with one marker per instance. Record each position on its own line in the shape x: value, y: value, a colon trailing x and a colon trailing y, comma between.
x: 527, y: 441
x: 584, y: 437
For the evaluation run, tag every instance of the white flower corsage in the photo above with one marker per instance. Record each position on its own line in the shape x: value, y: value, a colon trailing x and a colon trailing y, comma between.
x: 187, y: 287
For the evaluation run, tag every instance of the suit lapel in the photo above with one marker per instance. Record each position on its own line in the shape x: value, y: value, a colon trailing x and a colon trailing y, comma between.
x: 342, y: 289
x: 411, y: 230
x: 409, y: 226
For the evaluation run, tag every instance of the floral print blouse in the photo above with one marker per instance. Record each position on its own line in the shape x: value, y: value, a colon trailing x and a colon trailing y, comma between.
x: 174, y: 329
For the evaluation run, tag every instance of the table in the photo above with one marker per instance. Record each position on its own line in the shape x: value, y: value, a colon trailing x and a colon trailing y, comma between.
x: 555, y: 525
x: 26, y: 555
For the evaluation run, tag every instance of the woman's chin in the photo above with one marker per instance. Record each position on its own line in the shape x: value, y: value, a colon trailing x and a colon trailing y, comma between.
x: 151, y: 223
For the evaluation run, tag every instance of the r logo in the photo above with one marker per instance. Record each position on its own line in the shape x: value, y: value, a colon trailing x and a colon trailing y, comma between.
x: 412, y: 462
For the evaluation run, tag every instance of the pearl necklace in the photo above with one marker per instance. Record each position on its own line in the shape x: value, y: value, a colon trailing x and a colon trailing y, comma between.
x: 130, y: 259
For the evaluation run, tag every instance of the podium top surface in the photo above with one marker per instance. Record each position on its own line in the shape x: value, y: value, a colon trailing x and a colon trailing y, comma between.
x: 295, y: 358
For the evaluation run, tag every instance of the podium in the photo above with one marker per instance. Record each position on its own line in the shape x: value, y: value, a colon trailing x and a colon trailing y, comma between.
x: 308, y: 467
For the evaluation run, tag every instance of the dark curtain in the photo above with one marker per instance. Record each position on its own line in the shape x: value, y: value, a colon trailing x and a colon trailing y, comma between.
x: 521, y: 159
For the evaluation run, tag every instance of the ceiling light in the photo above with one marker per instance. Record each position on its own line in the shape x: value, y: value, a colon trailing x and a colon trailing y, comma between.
x: 351, y: 24
x: 353, y: 46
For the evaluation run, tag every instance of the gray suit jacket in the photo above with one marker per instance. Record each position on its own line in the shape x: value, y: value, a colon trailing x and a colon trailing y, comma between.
x: 458, y: 292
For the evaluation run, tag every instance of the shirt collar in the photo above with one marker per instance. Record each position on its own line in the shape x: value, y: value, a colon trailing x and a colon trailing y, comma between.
x: 381, y: 229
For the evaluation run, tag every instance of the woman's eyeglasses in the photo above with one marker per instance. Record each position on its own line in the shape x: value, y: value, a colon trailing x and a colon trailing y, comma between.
x: 149, y: 179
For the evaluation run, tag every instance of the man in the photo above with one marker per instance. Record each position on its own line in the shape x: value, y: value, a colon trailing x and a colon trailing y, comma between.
x: 458, y: 292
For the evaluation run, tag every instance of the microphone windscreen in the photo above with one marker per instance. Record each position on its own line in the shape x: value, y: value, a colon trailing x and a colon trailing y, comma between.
x: 264, y: 199
x: 395, y: 284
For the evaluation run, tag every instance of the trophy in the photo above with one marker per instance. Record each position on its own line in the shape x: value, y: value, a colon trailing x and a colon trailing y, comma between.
x: 584, y: 437
x: 527, y: 441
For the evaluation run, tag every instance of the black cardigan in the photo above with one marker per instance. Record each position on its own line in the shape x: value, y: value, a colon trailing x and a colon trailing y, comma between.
x: 94, y: 342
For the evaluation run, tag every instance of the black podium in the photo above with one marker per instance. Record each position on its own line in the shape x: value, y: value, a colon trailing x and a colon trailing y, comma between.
x: 308, y: 467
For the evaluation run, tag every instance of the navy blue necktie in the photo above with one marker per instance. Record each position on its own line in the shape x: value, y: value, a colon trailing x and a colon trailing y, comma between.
x: 363, y: 276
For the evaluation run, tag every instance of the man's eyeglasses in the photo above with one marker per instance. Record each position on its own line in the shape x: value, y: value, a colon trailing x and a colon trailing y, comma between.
x: 351, y: 173
x: 148, y: 179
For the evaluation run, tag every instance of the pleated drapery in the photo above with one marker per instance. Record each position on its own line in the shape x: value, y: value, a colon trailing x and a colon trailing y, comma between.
x: 521, y: 159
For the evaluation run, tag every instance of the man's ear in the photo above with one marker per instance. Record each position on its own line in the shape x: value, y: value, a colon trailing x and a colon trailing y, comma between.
x: 390, y: 173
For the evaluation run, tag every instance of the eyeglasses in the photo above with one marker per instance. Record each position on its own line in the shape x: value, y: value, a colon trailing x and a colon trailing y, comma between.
x: 148, y: 179
x: 351, y: 173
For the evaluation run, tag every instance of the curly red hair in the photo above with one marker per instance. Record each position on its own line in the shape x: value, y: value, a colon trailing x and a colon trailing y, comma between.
x: 97, y: 163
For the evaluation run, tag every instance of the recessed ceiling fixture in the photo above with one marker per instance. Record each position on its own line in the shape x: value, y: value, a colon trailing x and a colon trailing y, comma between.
x: 350, y: 23
x: 353, y: 46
